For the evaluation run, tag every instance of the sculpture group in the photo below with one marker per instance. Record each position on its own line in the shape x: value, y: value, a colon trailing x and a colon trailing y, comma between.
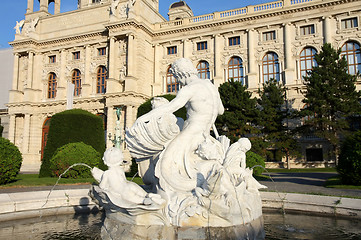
x: 191, y: 178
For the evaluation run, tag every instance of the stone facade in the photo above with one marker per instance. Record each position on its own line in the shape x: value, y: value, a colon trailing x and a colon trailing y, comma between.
x: 133, y: 45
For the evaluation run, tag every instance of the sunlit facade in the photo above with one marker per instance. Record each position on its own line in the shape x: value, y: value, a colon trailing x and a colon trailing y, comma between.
x: 119, y: 56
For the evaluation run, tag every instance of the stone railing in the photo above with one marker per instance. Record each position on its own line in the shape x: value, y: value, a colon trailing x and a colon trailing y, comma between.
x: 232, y: 13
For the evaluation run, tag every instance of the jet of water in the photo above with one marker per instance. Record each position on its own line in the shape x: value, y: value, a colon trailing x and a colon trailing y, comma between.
x: 74, y: 165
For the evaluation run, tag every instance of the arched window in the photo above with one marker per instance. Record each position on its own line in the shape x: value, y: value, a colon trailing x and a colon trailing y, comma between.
x: 172, y: 84
x: 352, y: 53
x: 203, y: 70
x: 271, y: 67
x: 235, y: 69
x: 101, y: 79
x: 52, y: 85
x: 307, y: 60
x: 76, y: 80
x: 45, y: 133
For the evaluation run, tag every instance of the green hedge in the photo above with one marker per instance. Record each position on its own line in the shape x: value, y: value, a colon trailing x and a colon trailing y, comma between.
x: 349, y: 163
x: 73, y: 153
x: 10, y: 161
x: 253, y: 159
x: 71, y: 126
x: 147, y: 106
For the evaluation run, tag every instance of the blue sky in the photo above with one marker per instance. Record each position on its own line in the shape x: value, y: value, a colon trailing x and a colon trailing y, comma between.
x: 14, y: 10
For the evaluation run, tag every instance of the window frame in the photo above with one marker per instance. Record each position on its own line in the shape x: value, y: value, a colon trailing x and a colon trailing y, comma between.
x: 76, y: 80
x: 203, y: 72
x: 52, y: 59
x: 236, y: 67
x: 306, y: 59
x: 102, y: 76
x: 353, y: 23
x: 102, y: 51
x: 201, y: 46
x: 172, y: 50
x: 172, y: 85
x: 275, y: 63
x: 269, y: 36
x: 353, y: 54
x: 52, y: 86
x: 76, y: 55
x: 234, y: 41
x: 307, y: 30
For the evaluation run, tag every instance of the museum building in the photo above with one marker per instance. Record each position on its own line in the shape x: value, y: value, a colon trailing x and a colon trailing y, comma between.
x: 111, y: 54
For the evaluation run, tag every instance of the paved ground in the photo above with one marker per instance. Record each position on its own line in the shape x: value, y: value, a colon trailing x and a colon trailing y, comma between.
x: 311, y: 183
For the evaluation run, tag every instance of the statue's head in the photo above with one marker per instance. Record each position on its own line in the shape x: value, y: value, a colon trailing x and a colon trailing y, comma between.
x: 113, y: 157
x: 183, y: 68
x: 245, y: 144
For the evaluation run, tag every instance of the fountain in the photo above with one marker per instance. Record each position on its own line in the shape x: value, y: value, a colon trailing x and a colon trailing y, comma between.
x: 196, y: 186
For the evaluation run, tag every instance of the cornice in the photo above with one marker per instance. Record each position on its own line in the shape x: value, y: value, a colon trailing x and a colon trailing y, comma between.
x: 243, y: 18
x: 133, y: 23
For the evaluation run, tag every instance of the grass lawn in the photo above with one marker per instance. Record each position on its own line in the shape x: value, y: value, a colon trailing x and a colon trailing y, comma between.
x: 31, y: 180
x: 335, y: 182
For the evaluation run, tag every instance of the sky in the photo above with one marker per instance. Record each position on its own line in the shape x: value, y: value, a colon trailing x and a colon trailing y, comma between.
x: 14, y: 10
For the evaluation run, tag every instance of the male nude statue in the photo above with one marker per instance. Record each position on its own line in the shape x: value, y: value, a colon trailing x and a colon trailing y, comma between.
x: 201, y: 98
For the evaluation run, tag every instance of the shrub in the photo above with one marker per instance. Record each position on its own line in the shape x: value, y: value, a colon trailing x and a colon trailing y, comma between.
x: 72, y: 126
x: 10, y: 161
x: 147, y: 107
x: 73, y: 153
x: 253, y: 159
x: 349, y: 164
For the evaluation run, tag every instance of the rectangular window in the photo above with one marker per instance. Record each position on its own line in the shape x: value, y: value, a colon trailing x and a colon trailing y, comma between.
x: 96, y: 1
x: 52, y: 59
x: 307, y: 30
x: 102, y: 51
x: 349, y: 23
x: 233, y: 41
x: 76, y: 55
x: 201, y: 46
x: 268, y: 36
x: 172, y: 50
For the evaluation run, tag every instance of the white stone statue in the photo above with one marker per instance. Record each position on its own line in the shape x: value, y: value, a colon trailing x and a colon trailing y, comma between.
x: 192, y: 178
x: 113, y: 7
x: 18, y: 26
x: 121, y: 192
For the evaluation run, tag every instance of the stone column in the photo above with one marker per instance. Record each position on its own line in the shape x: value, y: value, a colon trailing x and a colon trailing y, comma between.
x: 218, y: 71
x: 111, y: 58
x: 157, y: 81
x: 327, y: 30
x: 130, y: 82
x: 252, y: 65
x: 15, y: 72
x: 62, y: 83
x: 187, y: 48
x: 30, y: 70
x: 44, y: 5
x: 26, y: 136
x: 56, y: 6
x: 129, y: 116
x: 12, y: 125
x: 289, y: 61
x: 30, y: 8
x: 86, y: 82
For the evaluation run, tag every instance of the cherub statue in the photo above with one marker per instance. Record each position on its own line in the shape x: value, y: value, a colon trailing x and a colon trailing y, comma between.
x: 121, y: 192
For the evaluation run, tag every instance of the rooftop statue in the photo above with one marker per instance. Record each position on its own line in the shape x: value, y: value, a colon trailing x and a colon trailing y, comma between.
x: 192, y: 178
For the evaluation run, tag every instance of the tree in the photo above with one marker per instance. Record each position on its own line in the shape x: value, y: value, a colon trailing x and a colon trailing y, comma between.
x: 330, y: 97
x: 272, y: 120
x: 240, y: 116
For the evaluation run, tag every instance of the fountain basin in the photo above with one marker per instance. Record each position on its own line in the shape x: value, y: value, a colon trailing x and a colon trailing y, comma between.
x: 31, y: 204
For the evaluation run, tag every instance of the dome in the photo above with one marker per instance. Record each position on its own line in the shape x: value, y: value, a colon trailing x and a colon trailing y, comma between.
x: 178, y: 4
